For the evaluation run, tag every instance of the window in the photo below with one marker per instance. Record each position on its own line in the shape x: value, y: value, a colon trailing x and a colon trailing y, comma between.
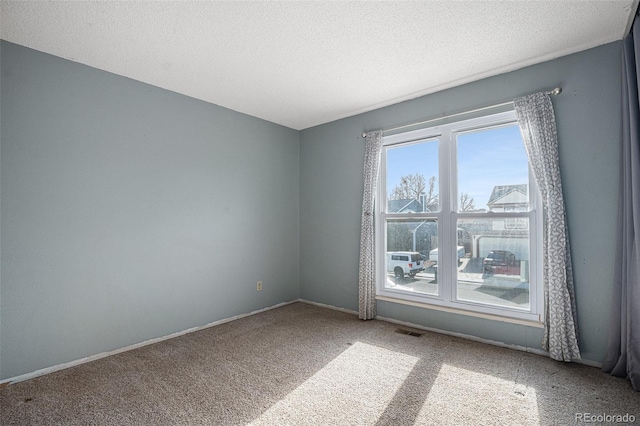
x: 460, y: 205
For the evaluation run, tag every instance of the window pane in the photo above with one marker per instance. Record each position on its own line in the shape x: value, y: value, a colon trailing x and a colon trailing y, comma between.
x: 407, y: 262
x: 495, y: 270
x: 412, y: 178
x: 493, y: 171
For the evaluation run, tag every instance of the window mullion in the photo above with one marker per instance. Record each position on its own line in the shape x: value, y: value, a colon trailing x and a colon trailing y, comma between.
x: 453, y: 205
x: 446, y: 247
x: 381, y: 222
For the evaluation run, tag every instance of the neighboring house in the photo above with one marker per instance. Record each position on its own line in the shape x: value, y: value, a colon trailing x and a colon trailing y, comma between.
x: 410, y: 205
x: 405, y: 206
x: 509, y: 198
x: 429, y: 207
x: 420, y: 236
x: 505, y: 198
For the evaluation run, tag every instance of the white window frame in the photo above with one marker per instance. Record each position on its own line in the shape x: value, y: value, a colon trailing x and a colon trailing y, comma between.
x: 447, y: 216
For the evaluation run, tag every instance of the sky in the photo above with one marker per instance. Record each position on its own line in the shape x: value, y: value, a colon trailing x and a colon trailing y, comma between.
x: 486, y: 158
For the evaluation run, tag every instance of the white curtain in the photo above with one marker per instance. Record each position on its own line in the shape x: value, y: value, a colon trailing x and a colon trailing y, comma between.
x: 538, y: 127
x: 367, y: 274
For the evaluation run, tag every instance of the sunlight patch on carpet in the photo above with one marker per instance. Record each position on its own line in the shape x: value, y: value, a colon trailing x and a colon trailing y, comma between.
x: 464, y: 396
x: 358, y: 384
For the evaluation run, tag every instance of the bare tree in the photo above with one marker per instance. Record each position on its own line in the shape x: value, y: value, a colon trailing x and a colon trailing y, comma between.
x: 413, y: 186
x: 410, y: 187
x: 432, y: 194
x: 466, y: 202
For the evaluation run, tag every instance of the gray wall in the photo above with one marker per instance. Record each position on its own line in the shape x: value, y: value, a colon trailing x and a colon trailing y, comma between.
x: 588, y: 118
x: 130, y: 212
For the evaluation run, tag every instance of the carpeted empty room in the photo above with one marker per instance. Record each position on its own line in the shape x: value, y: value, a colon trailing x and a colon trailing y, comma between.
x: 304, y: 364
x: 319, y: 212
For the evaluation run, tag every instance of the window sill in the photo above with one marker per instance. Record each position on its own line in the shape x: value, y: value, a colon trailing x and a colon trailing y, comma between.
x: 528, y: 323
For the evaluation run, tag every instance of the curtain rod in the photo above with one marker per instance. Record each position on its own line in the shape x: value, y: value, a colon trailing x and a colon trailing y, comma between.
x: 556, y: 91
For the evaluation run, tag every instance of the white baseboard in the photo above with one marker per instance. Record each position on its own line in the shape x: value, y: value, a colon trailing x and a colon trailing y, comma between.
x: 76, y: 362
x: 454, y: 334
x: 322, y: 305
x: 540, y: 352
x: 465, y: 336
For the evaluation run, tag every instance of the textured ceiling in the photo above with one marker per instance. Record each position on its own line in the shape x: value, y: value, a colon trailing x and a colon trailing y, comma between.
x: 300, y: 64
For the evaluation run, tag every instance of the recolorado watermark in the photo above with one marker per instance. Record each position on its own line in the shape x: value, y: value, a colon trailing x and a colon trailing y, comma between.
x: 605, y: 418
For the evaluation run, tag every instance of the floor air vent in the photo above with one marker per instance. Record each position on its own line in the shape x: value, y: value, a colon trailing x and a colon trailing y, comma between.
x: 408, y: 332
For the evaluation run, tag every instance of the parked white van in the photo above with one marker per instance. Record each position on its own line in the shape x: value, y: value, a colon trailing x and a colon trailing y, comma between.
x: 403, y: 263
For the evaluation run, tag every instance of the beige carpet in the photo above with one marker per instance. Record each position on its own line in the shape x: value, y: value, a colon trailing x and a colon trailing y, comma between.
x: 301, y: 364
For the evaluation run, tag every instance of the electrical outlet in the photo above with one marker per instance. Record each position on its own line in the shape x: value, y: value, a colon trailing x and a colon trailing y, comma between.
x: 259, y: 286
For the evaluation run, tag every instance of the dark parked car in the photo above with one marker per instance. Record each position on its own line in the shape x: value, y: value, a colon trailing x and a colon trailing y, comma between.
x: 498, y: 258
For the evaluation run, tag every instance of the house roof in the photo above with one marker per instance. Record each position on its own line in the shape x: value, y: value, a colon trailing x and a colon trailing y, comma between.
x: 508, y: 194
x: 404, y: 206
